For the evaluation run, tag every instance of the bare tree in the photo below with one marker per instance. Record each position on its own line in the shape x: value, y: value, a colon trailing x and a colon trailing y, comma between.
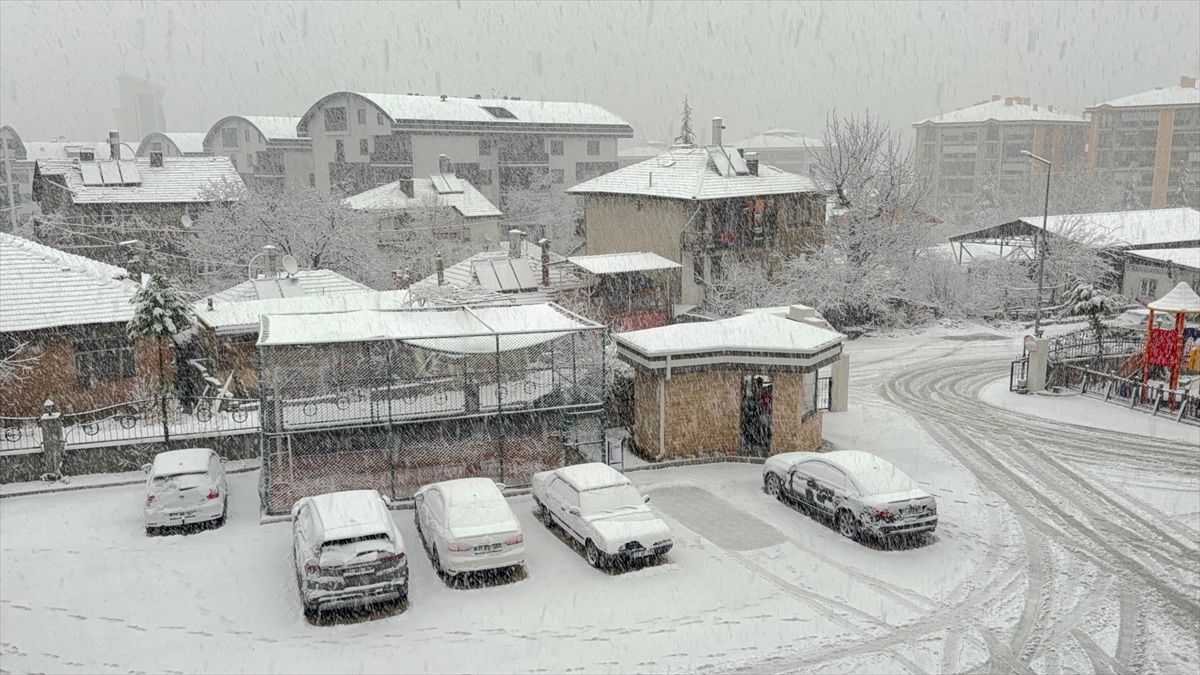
x: 16, y: 363
x: 415, y: 236
x: 542, y: 211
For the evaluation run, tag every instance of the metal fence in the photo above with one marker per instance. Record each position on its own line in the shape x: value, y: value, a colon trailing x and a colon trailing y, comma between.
x: 1082, y: 345
x: 20, y: 434
x: 1157, y: 399
x: 397, y: 414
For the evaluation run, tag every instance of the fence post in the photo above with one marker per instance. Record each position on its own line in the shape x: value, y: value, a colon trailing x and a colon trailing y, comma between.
x: 1035, y: 377
x: 839, y: 385
x: 52, y: 441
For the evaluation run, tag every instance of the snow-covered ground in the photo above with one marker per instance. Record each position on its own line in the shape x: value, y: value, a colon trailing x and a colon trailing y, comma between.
x: 1060, y: 548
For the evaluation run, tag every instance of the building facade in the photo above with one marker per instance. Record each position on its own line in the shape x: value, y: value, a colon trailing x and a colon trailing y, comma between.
x: 16, y: 180
x: 973, y: 156
x: 266, y: 151
x: 173, y: 144
x: 784, y: 149
x: 1150, y: 144
x: 362, y: 141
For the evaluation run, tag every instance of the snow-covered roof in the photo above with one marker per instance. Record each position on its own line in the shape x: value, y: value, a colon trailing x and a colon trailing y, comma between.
x: 37, y: 150
x: 409, y: 108
x: 1003, y: 110
x: 1181, y: 300
x: 875, y: 475
x: 462, y: 491
x: 1128, y: 228
x: 186, y: 141
x: 306, y: 282
x: 274, y: 127
x: 641, y: 151
x: 617, y: 263
x: 696, y: 173
x: 779, y: 138
x: 43, y: 287
x: 464, y: 275
x: 175, y: 462
x: 178, y: 180
x: 476, y: 330
x: 754, y: 333
x: 584, y: 477
x: 444, y: 188
x: 350, y: 514
x: 232, y: 318
x: 1177, y: 95
x: 1188, y: 257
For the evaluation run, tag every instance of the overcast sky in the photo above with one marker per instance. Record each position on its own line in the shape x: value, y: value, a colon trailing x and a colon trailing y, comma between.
x: 757, y: 65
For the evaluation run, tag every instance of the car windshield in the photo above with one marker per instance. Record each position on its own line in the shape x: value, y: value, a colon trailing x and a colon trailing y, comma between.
x: 881, y: 478
x: 610, y: 499
x: 179, y: 481
x: 479, y: 514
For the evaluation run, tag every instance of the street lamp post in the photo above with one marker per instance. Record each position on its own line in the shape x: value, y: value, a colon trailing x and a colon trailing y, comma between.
x: 1037, y: 317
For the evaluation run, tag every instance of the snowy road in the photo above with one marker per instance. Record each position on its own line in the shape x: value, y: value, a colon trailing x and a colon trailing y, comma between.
x: 1059, y: 549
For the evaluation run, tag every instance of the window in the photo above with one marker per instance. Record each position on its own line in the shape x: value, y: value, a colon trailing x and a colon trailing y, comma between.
x: 809, y: 404
x: 312, y: 180
x: 593, y: 147
x: 485, y: 147
x: 566, y: 493
x: 364, y: 146
x: 523, y: 149
x: 269, y: 162
x: 524, y: 178
x: 698, y: 270
x: 247, y: 135
x: 556, y: 147
x: 589, y: 170
x: 335, y: 119
x: 156, y: 147
x: 104, y: 360
x: 381, y: 119
x: 556, y: 176
x: 339, y: 152
x: 499, y: 113
x: 229, y: 138
x: 471, y: 173
x: 1147, y: 117
x: 1149, y: 288
x: 393, y: 149
x: 362, y: 115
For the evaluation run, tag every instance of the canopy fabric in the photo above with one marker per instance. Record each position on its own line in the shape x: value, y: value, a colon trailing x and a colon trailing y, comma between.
x: 1181, y: 300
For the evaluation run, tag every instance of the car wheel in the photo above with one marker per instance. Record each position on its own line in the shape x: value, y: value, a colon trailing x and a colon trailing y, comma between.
x: 547, y: 518
x: 435, y: 559
x: 152, y: 531
x: 847, y: 525
x: 775, y: 486
x: 594, y: 557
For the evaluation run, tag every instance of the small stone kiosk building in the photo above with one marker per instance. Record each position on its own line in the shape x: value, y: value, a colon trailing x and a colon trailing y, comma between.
x: 740, y: 386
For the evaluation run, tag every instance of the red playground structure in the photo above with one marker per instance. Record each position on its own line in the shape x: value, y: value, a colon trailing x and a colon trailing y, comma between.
x: 1164, y: 346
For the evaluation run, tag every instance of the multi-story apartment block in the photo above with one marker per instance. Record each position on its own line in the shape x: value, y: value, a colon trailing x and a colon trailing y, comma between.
x: 16, y: 180
x: 266, y: 151
x: 785, y: 149
x: 173, y: 144
x: 1150, y: 143
x: 361, y: 141
x: 974, y: 154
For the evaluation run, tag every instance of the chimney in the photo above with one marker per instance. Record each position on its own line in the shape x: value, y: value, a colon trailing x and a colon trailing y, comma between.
x: 545, y: 244
x: 400, y: 279
x: 717, y: 126
x: 87, y: 155
x: 1008, y: 102
x: 515, y: 237
x: 270, y: 271
x: 1187, y: 82
x: 651, y: 179
x: 995, y: 97
x: 752, y: 162
x: 156, y: 159
x: 210, y: 304
x: 114, y: 145
x: 441, y: 270
x: 444, y: 165
x: 1035, y: 107
x: 478, y: 96
x: 1050, y: 108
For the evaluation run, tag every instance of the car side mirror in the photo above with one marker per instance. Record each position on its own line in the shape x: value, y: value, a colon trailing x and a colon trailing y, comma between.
x: 416, y: 498
x: 573, y: 511
x: 387, y: 501
x: 224, y: 460
x: 501, y: 486
x: 146, y: 468
x: 645, y: 499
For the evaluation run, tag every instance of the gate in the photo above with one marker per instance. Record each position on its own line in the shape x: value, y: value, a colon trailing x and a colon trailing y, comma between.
x: 1018, y: 376
x: 583, y: 437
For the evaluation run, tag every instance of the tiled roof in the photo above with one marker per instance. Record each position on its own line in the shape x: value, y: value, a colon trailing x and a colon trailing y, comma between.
x: 462, y: 275
x: 311, y: 282
x: 693, y: 173
x: 42, y: 287
x: 618, y: 263
x: 755, y: 332
x: 178, y: 180
x: 243, y: 317
x: 469, y: 202
x: 1000, y: 111
x: 1176, y: 95
x: 779, y: 138
x: 641, y: 151
x: 68, y: 149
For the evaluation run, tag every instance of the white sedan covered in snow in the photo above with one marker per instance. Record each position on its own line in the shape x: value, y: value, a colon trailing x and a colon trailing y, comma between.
x: 862, y: 494
x: 184, y: 487
x: 468, y: 526
x: 347, y: 551
x: 598, y: 506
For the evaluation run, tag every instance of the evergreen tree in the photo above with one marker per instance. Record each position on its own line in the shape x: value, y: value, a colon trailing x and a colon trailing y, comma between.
x: 160, y: 311
x: 686, y: 136
x: 1085, y: 300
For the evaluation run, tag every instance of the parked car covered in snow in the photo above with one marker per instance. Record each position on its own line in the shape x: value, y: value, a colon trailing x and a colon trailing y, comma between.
x: 184, y: 487
x: 862, y: 494
x: 347, y: 551
x: 468, y: 526
x: 598, y: 507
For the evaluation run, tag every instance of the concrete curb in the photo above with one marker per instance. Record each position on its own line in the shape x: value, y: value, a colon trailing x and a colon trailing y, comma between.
x: 73, y: 488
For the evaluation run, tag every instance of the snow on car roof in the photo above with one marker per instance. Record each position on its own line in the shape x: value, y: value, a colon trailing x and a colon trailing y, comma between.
x: 175, y: 462
x: 469, y: 491
x: 593, y: 476
x: 873, y: 474
x: 353, y: 513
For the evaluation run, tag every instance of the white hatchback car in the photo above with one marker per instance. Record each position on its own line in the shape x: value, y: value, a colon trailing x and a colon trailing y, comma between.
x: 468, y: 526
x: 347, y: 551
x: 599, y: 508
x: 184, y: 487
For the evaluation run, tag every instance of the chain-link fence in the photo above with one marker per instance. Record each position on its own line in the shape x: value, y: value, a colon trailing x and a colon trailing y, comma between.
x: 396, y: 400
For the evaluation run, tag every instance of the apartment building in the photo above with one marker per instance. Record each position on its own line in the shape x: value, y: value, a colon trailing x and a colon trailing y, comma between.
x: 974, y: 154
x: 785, y: 149
x: 1150, y: 143
x: 266, y: 151
x: 16, y: 180
x: 361, y: 141
x: 173, y: 144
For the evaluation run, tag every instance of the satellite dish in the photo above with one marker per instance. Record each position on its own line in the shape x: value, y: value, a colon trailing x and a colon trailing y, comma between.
x: 490, y: 235
x: 185, y: 220
x: 289, y: 265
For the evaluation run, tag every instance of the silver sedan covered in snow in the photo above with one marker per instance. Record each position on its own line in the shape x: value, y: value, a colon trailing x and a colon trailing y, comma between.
x: 862, y: 494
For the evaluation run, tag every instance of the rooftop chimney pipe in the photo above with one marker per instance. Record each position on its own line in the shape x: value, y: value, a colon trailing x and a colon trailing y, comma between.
x: 1187, y: 82
x: 400, y: 279
x: 515, y: 237
x: 114, y: 145
x: 545, y: 244
x: 444, y: 165
x: 752, y: 162
x: 156, y: 158
x: 717, y: 126
x: 441, y: 270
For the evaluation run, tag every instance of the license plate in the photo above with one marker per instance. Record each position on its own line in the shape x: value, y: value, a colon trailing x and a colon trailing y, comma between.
x: 183, y: 516
x: 358, y: 572
x: 488, y: 548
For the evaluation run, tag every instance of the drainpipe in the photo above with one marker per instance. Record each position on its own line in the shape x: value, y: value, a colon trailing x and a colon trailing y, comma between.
x: 545, y: 244
x: 441, y: 270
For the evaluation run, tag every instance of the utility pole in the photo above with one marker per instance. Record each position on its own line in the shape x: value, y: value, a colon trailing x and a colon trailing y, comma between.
x: 1037, y: 317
